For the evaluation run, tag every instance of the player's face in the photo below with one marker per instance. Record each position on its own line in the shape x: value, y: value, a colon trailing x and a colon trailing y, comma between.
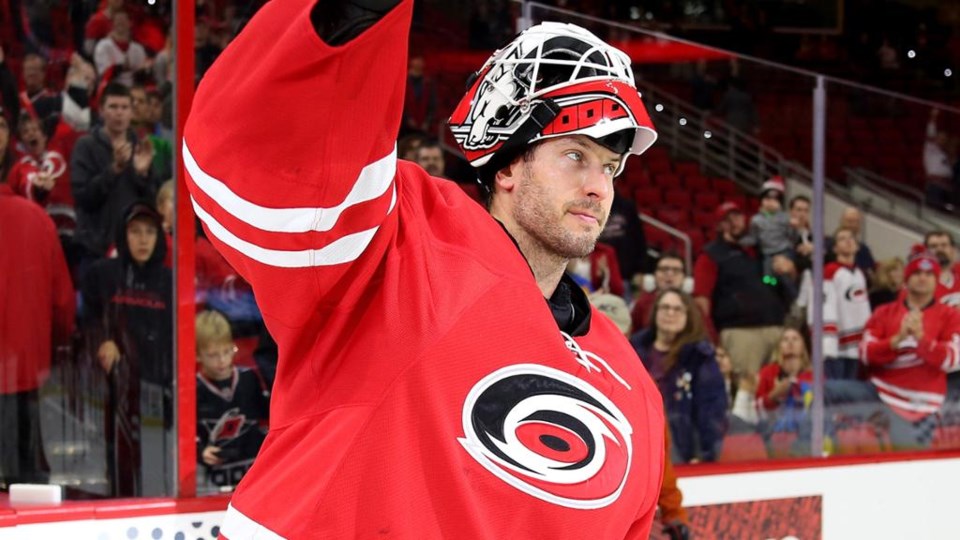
x: 922, y: 283
x: 141, y: 239
x: 940, y: 246
x: 216, y: 360
x: 563, y: 196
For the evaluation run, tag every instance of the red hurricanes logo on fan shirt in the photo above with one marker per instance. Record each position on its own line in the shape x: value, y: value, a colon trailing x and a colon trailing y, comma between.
x: 549, y: 434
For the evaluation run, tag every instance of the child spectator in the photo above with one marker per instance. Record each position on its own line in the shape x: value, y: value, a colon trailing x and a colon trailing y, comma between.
x: 127, y: 323
x: 232, y: 406
x: 770, y: 227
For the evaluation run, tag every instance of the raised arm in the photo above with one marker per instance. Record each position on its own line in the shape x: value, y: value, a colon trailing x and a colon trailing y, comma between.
x: 290, y: 149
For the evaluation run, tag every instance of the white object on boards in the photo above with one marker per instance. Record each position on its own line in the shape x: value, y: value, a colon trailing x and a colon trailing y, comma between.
x: 35, y: 494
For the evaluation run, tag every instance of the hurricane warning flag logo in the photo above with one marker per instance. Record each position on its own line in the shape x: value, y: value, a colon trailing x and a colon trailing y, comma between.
x: 548, y: 434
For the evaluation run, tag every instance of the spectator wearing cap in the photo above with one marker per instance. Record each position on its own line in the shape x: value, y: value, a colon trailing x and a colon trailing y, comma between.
x: 729, y: 286
x: 36, y: 317
x: 908, y: 348
x: 109, y: 169
x: 127, y: 321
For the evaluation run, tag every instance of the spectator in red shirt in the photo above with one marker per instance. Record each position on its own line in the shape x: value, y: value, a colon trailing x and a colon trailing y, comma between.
x: 783, y: 388
x: 43, y: 175
x: 36, y: 317
x: 909, y: 346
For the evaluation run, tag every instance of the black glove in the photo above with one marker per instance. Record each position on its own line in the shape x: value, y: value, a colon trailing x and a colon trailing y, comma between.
x: 676, y: 530
x: 338, y: 22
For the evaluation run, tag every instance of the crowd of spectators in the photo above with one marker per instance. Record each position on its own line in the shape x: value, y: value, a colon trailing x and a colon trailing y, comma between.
x: 86, y: 157
x: 86, y: 166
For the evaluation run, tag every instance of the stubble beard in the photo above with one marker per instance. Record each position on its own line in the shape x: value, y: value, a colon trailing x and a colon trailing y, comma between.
x: 544, y: 225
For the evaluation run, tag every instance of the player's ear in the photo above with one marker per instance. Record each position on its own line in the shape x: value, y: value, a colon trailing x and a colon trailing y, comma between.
x: 509, y: 176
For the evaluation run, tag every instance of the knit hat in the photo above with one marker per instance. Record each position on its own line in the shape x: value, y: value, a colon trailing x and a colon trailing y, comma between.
x: 921, y: 260
x: 773, y: 184
x: 725, y: 209
x: 613, y: 307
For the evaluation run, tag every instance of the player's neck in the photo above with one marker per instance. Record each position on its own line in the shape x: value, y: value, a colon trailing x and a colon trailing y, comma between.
x: 547, y: 267
x: 845, y: 260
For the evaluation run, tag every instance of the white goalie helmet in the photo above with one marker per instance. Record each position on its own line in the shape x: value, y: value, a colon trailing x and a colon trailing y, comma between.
x: 554, y: 79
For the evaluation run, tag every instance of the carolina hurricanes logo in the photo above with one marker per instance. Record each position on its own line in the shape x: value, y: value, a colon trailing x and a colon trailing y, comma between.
x: 856, y: 293
x: 549, y: 434
x: 53, y: 165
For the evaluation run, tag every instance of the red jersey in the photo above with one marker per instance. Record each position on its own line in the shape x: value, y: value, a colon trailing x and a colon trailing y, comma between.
x: 58, y: 202
x: 36, y: 295
x: 423, y: 389
x: 948, y: 287
x: 912, y: 379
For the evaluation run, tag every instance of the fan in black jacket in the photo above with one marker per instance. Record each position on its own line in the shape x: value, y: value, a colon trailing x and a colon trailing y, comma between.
x: 127, y: 321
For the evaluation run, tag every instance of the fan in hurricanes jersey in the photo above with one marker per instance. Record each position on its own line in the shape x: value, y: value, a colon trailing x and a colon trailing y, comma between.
x: 942, y: 246
x: 439, y: 374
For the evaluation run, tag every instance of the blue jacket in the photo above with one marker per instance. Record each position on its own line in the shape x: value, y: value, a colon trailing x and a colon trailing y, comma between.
x: 694, y: 398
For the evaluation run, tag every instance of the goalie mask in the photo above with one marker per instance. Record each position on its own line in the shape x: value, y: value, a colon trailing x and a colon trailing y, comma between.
x: 553, y: 80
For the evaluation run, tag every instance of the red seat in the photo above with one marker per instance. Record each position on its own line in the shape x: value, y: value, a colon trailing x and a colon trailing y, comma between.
x: 656, y: 238
x: 696, y: 183
x: 648, y: 197
x: 687, y: 168
x: 781, y: 444
x: 725, y: 186
x: 705, y: 219
x: 673, y: 216
x: 742, y: 447
x: 667, y: 180
x: 677, y: 197
x: 659, y: 167
x: 705, y: 200
x: 697, y: 239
